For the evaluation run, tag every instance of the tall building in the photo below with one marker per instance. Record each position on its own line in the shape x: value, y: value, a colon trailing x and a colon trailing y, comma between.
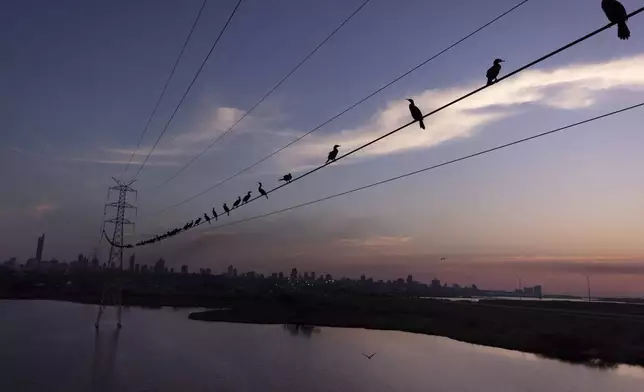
x: 184, y: 269
x: 41, y: 246
x: 410, y: 279
x: 132, y: 259
x: 159, y: 267
x: 294, y: 273
x: 230, y: 270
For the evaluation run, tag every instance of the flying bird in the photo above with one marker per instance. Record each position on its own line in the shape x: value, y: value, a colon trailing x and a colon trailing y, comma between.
x: 333, y: 154
x: 261, y: 190
x: 214, y: 213
x: 369, y: 356
x: 226, y: 209
x: 494, y: 71
x: 416, y: 114
x: 246, y: 198
x: 443, y: 258
x: 236, y: 203
x: 616, y: 13
x: 207, y: 218
x: 287, y: 177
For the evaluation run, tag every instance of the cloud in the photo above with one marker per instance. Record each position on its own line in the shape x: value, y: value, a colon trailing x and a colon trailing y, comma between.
x: 221, y: 120
x: 570, y: 87
x: 376, y: 241
x: 42, y: 209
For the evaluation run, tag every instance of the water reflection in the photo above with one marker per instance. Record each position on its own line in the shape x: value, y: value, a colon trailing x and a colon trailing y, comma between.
x: 301, y: 329
x: 104, y: 359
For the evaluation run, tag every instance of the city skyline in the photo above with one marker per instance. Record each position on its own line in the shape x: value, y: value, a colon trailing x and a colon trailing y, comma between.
x: 553, y: 211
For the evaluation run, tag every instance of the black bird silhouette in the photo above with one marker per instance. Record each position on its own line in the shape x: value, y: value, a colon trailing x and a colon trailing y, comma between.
x: 246, y: 198
x: 416, y: 114
x: 494, y: 71
x: 261, y: 190
x: 197, y: 222
x: 333, y: 154
x: 369, y: 356
x: 207, y: 218
x: 287, y: 177
x: 236, y: 203
x: 616, y: 13
x: 226, y: 209
x: 443, y: 258
x: 214, y: 213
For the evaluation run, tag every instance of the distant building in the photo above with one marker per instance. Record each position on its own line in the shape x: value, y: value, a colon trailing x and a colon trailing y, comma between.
x: 95, y: 262
x: 363, y: 278
x: 280, y: 275
x: 137, y: 268
x: 274, y: 275
x: 184, y: 269
x: 230, y: 270
x: 144, y: 269
x: 538, y: 291
x: 159, y: 266
x: 40, y: 248
x: 436, y: 283
x: 250, y: 274
x: 132, y: 259
x: 306, y: 275
x: 294, y: 274
x: 234, y: 272
x: 410, y: 279
x: 209, y: 272
x: 312, y: 275
x: 11, y: 263
x: 329, y: 277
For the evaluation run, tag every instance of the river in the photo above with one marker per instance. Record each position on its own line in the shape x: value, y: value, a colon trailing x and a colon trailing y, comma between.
x: 53, y: 346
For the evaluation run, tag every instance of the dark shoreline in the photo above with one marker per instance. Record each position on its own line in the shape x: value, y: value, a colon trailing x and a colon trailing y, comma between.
x: 600, y: 336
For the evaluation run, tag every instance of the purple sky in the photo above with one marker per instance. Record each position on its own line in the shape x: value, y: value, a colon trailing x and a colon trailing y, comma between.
x: 79, y: 79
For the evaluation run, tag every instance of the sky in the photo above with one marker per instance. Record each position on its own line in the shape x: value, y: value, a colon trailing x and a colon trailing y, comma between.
x: 79, y: 80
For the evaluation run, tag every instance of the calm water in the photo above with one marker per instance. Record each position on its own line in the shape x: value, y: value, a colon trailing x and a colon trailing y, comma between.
x: 52, y: 346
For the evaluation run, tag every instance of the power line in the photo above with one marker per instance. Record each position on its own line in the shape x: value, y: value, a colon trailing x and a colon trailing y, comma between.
x: 513, y: 73
x: 249, y: 111
x: 446, y: 163
x: 203, y: 63
x: 167, y: 82
x: 353, y: 106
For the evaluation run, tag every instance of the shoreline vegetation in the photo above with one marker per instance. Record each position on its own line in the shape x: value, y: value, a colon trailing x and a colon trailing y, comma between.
x: 595, y: 334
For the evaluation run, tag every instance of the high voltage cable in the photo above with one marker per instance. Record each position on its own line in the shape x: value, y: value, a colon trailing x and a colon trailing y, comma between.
x: 203, y: 63
x: 513, y: 73
x: 446, y: 163
x: 271, y: 91
x: 353, y: 106
x: 167, y: 82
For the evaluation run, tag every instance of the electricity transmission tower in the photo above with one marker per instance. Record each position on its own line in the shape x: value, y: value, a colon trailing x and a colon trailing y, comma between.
x: 113, y: 289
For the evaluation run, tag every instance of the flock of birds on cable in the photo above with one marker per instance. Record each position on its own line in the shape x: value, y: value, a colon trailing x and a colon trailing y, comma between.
x: 613, y: 9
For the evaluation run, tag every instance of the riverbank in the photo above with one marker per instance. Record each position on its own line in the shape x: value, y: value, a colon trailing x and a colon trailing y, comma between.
x: 595, y: 334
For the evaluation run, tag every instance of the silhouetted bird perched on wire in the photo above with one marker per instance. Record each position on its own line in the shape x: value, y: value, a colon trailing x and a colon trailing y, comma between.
x: 246, y: 198
x: 416, y: 114
x: 207, y: 218
x: 287, y: 177
x: 333, y: 154
x: 226, y: 209
x: 616, y: 13
x: 197, y: 222
x: 261, y: 190
x: 494, y: 71
x: 214, y: 213
x: 236, y: 203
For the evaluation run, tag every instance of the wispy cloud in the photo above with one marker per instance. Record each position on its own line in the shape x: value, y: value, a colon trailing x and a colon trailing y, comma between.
x: 375, y: 241
x: 571, y: 87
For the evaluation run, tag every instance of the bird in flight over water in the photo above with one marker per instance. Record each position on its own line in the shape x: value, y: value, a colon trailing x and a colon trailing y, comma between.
x: 416, y: 114
x: 616, y: 13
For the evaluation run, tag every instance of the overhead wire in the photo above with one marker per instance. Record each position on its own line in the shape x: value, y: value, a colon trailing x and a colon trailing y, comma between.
x: 176, y: 109
x: 165, y: 86
x: 268, y: 94
x: 343, y: 112
x: 509, y: 75
x: 433, y: 167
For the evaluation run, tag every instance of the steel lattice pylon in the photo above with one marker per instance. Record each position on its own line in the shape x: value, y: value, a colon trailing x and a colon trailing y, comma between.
x: 112, y: 291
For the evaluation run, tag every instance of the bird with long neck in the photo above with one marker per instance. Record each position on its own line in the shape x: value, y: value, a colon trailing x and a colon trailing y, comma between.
x: 333, y: 154
x: 261, y: 190
x: 207, y: 218
x: 214, y: 213
x: 236, y: 203
x: 616, y: 13
x: 416, y: 114
x: 246, y: 198
x: 226, y: 209
x: 493, y: 73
